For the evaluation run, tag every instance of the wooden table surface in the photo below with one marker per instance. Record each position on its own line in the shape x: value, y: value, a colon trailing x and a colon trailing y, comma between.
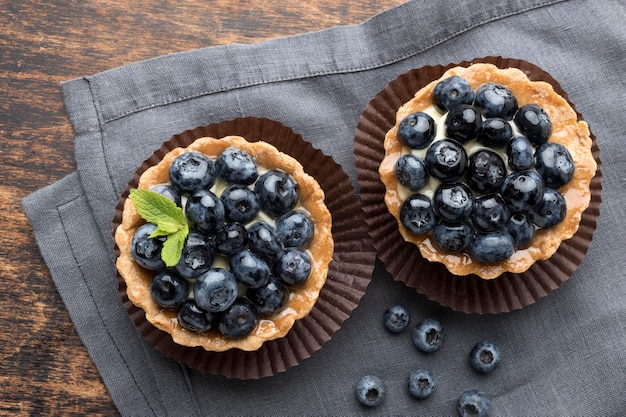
x: 44, y: 367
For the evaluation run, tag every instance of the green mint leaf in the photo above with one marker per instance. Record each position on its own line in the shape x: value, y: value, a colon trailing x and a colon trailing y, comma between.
x: 173, y: 247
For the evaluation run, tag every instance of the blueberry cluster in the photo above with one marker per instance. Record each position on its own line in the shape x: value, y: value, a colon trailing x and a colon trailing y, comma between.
x: 261, y: 259
x: 491, y: 201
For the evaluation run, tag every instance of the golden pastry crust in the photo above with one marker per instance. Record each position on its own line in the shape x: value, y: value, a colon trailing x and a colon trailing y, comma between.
x: 566, y: 130
x: 301, y: 298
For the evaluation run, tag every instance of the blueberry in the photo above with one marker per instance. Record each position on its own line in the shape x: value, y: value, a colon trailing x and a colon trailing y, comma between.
x: 485, y: 172
x: 550, y: 211
x: 421, y: 383
x: 428, y: 335
x: 452, y: 238
x: 277, y: 191
x: 269, y: 298
x: 485, y: 357
x: 474, y: 403
x: 492, y: 247
x: 417, y: 130
x: 168, y: 289
x: 534, y: 123
x: 197, y: 256
x: 451, y: 92
x: 396, y: 318
x: 205, y: 212
x: 495, y: 100
x: 522, y: 230
x: 241, y: 204
x: 249, y: 269
x: 370, y: 391
x: 522, y: 189
x: 215, y: 290
x: 446, y: 160
x: 192, y: 317
x: 495, y: 133
x: 520, y: 153
x: 239, y: 319
x: 555, y: 164
x: 192, y: 171
x: 463, y: 123
x: 235, y: 166
x: 168, y: 191
x: 146, y: 250
x: 264, y: 242
x: 453, y: 202
x: 295, y: 229
x: 231, y: 239
x: 410, y: 170
x: 490, y: 213
x: 417, y: 214
x: 293, y: 266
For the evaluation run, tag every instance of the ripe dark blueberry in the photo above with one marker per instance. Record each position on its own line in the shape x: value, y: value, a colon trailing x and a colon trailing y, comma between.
x: 215, y: 290
x: 417, y: 214
x: 495, y: 100
x: 522, y: 230
x: 492, y: 246
x: 192, y: 317
x: 451, y: 92
x: 146, y: 250
x: 489, y: 213
x: 534, y: 123
x: 197, y: 256
x: 249, y: 269
x: 446, y: 160
x: 421, y: 383
x: 520, y: 153
x: 264, y: 242
x: 167, y: 191
x: 192, y: 171
x: 495, y: 133
x: 463, y: 123
x: 522, y: 189
x: 239, y: 319
x: 205, y: 212
x: 270, y: 298
x: 168, y: 289
x: 241, y: 204
x: 417, y: 130
x: 428, y: 335
x: 396, y: 318
x: 370, y: 391
x: 277, y: 191
x: 485, y: 172
x: 295, y: 229
x: 555, y: 164
x: 453, y: 202
x: 293, y: 267
x: 452, y: 238
x: 410, y: 170
x: 474, y: 403
x: 550, y: 211
x: 485, y: 357
x: 231, y: 239
x: 236, y: 167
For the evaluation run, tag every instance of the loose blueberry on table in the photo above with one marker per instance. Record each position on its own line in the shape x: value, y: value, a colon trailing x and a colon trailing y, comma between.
x: 428, y: 335
x: 421, y: 383
x: 371, y: 391
x: 492, y: 197
x: 396, y: 318
x: 262, y: 259
x: 474, y: 403
x: 485, y: 357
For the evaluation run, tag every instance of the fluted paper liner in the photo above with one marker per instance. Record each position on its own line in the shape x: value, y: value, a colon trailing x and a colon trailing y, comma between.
x: 348, y: 276
x: 403, y: 260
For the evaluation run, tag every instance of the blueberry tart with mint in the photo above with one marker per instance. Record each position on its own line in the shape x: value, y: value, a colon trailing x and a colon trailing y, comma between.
x: 486, y: 170
x: 225, y: 243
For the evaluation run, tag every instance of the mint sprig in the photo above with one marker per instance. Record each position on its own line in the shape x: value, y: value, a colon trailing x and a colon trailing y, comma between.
x: 168, y: 218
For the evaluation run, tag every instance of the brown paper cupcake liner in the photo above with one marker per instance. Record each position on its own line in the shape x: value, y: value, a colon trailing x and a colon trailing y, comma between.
x: 348, y: 276
x: 403, y: 260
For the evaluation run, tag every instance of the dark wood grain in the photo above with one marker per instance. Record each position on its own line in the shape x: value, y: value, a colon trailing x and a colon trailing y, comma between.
x: 44, y: 368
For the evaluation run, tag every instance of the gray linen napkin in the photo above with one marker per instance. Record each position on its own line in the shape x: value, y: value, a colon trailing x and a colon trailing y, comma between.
x: 563, y: 356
